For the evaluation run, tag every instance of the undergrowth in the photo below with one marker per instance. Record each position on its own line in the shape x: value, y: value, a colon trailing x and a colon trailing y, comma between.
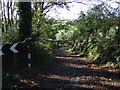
x: 41, y: 60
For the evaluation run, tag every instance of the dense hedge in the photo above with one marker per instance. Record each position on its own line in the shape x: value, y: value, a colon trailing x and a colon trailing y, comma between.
x: 97, y: 35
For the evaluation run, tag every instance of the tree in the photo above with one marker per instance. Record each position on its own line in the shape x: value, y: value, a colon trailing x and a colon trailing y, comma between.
x: 44, y: 7
x: 25, y: 20
x: 41, y: 24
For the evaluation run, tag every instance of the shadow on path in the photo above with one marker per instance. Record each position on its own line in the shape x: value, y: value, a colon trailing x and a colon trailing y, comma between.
x: 71, y: 71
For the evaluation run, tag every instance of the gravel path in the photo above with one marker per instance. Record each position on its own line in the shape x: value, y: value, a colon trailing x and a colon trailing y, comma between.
x: 73, y: 72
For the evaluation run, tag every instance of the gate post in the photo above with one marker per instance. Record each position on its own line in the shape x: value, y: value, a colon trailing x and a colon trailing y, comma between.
x: 29, y: 56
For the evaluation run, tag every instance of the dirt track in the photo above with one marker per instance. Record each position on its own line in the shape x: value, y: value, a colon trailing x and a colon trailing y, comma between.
x: 71, y: 71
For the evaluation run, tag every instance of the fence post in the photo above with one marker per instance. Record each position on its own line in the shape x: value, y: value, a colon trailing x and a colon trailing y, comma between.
x: 29, y: 56
x: 15, y: 62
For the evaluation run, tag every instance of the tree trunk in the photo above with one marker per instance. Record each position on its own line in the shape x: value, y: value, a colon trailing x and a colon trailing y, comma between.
x: 25, y: 23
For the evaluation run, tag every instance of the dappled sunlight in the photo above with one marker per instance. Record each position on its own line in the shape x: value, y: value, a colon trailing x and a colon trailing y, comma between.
x: 75, y: 65
x: 100, y: 81
x: 90, y: 86
x: 88, y: 63
x: 111, y: 70
x: 106, y: 81
x: 72, y: 71
x: 86, y: 81
x: 29, y: 82
x: 70, y: 78
x: 58, y: 57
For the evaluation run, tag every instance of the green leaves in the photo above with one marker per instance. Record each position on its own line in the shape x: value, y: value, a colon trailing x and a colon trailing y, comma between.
x: 97, y: 35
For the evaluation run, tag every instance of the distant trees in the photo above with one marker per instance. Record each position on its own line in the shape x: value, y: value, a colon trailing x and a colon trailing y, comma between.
x: 7, y: 10
x: 9, y: 21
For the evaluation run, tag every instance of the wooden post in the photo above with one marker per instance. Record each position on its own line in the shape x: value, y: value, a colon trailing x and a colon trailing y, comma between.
x: 29, y: 57
x: 15, y: 62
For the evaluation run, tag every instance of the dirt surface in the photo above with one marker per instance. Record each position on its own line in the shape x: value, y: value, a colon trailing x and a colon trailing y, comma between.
x: 73, y: 72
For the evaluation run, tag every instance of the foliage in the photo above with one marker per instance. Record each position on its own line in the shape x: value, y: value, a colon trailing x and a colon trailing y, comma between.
x: 9, y: 37
x: 96, y: 35
x: 66, y: 32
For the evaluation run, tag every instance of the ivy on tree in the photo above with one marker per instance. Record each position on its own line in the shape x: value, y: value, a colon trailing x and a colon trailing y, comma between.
x: 25, y: 20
